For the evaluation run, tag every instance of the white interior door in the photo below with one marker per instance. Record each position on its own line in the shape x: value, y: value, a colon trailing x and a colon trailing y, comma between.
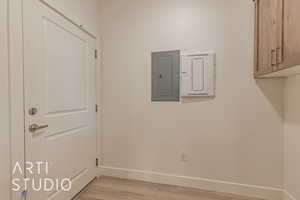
x: 59, y: 67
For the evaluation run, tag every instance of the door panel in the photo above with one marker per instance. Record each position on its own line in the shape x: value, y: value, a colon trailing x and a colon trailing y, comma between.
x: 197, y: 72
x: 291, y: 49
x: 60, y: 82
x: 266, y: 36
x: 279, y: 32
x: 165, y: 76
x: 71, y: 64
x: 164, y: 82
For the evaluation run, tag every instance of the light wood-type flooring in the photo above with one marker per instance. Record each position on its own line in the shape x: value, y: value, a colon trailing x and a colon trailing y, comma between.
x: 108, y: 188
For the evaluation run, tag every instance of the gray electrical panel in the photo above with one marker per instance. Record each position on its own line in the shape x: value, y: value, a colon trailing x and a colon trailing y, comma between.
x: 165, y: 75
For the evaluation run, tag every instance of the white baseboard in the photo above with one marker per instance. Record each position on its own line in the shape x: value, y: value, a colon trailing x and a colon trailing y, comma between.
x: 269, y: 193
x: 288, y: 196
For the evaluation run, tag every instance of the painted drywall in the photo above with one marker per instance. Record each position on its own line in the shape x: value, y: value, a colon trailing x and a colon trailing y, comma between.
x: 292, y: 136
x: 4, y: 105
x: 236, y: 136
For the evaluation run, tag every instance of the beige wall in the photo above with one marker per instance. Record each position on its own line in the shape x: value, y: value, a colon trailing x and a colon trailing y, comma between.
x: 4, y: 105
x: 234, y: 137
x: 292, y: 136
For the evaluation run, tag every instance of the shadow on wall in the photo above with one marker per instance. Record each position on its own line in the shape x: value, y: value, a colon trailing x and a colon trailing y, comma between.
x: 269, y: 88
x: 196, y: 99
x: 292, y: 99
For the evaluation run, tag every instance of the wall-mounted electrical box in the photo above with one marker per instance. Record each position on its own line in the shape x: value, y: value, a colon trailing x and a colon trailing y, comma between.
x: 166, y: 75
x: 198, y: 74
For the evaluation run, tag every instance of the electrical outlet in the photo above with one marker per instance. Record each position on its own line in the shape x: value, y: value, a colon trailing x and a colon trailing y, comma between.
x: 184, y: 157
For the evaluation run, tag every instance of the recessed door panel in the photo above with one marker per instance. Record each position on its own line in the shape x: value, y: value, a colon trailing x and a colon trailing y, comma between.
x: 164, y: 86
x: 66, y: 69
x: 197, y: 66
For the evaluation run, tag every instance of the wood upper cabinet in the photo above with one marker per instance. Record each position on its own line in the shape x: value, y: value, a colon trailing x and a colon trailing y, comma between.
x: 277, y: 36
x: 291, y: 44
x: 268, y: 35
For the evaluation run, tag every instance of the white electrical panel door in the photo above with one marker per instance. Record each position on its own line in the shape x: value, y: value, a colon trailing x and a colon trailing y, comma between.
x: 198, y: 74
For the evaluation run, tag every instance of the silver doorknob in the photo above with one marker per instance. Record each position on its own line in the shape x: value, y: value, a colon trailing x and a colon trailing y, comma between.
x: 34, y: 127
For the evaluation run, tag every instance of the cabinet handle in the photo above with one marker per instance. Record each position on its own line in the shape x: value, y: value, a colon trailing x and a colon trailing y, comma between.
x: 278, y: 55
x: 273, y: 59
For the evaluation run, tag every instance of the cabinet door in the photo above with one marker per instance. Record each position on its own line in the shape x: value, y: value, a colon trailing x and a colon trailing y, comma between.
x: 291, y: 47
x: 279, y: 33
x: 267, y: 34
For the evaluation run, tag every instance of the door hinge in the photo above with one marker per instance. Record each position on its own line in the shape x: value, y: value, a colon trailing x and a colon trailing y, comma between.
x: 96, y: 53
x: 97, y: 162
x: 96, y: 108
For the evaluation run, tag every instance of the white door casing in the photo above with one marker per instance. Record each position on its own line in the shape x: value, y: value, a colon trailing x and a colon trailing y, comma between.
x: 4, y: 105
x: 59, y: 80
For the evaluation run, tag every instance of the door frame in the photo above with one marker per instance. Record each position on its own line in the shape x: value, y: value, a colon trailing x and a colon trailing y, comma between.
x: 4, y: 101
x: 16, y: 81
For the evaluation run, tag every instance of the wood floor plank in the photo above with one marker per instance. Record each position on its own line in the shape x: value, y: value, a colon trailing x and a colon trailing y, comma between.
x: 109, y: 188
